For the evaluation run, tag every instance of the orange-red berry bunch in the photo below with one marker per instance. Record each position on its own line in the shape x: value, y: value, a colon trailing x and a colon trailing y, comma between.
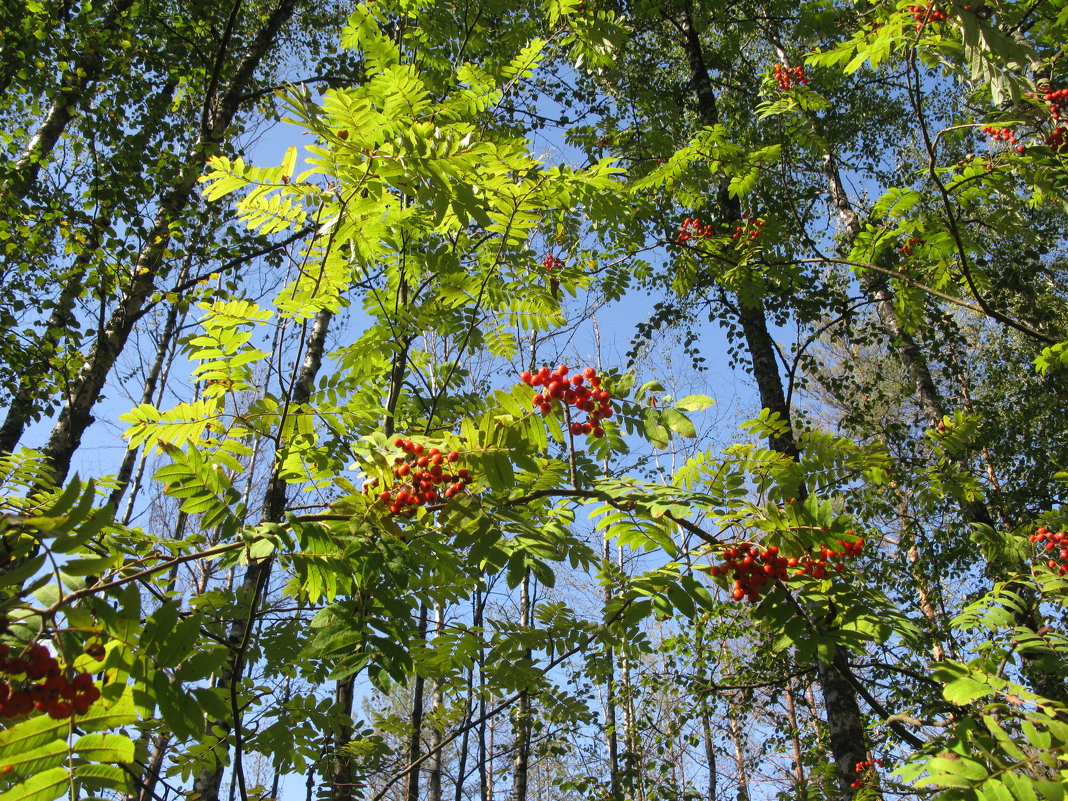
x: 1058, y: 140
x: 754, y: 569
x: 750, y: 228
x: 910, y: 245
x: 1057, y: 99
x: 582, y: 390
x: 551, y: 262
x: 865, y: 772
x: 693, y: 227
x: 421, y: 473
x: 786, y: 76
x: 35, y: 681
x: 1003, y: 135
x: 927, y: 13
x: 1053, y: 546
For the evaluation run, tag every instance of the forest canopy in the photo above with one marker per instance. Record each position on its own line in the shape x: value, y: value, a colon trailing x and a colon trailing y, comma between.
x: 570, y: 400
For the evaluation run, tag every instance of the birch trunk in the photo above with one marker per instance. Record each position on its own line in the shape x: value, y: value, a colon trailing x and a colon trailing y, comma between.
x: 75, y: 89
x: 76, y: 415
x: 437, y: 701
x: 931, y: 401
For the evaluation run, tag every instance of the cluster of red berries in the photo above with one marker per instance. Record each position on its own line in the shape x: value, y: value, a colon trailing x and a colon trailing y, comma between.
x: 754, y: 569
x: 865, y: 772
x: 1004, y: 135
x: 1052, y: 544
x: 693, y: 227
x: 910, y: 244
x: 1058, y: 140
x: 551, y: 262
x: 785, y: 76
x: 927, y: 13
x: 572, y: 391
x: 749, y: 227
x: 421, y: 472
x: 1057, y: 99
x: 35, y: 681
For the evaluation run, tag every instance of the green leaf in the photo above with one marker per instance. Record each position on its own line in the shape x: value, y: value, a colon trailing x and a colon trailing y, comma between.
x: 100, y: 716
x: 679, y: 423
x: 964, y: 690
x: 30, y: 735
x: 37, y: 760
x: 45, y: 786
x: 104, y: 777
x: 114, y: 748
x: 694, y: 403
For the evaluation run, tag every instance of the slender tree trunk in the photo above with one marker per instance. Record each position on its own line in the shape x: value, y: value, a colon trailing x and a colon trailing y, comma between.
x: 846, y: 726
x: 24, y: 403
x: 710, y: 751
x: 610, y: 700
x: 76, y: 414
x: 142, y: 459
x: 800, y: 791
x: 875, y: 286
x: 341, y: 778
x: 484, y: 777
x: 437, y: 701
x: 150, y: 778
x: 255, y: 580
x: 465, y: 738
x: 414, y: 741
x: 521, y: 726
x: 738, y: 740
x: 75, y: 89
x: 170, y: 326
x: 488, y: 760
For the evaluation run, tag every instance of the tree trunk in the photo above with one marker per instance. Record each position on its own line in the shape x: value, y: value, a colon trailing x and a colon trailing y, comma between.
x: 610, y: 700
x: 342, y: 777
x: 437, y: 700
x: 155, y: 765
x: 795, y: 742
x: 913, y: 359
x: 738, y: 740
x: 208, y: 781
x: 465, y: 738
x: 485, y: 787
x: 170, y: 327
x: 521, y: 726
x: 414, y: 744
x: 76, y: 414
x: 710, y: 752
x: 846, y: 726
x: 75, y: 89
x: 23, y: 407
